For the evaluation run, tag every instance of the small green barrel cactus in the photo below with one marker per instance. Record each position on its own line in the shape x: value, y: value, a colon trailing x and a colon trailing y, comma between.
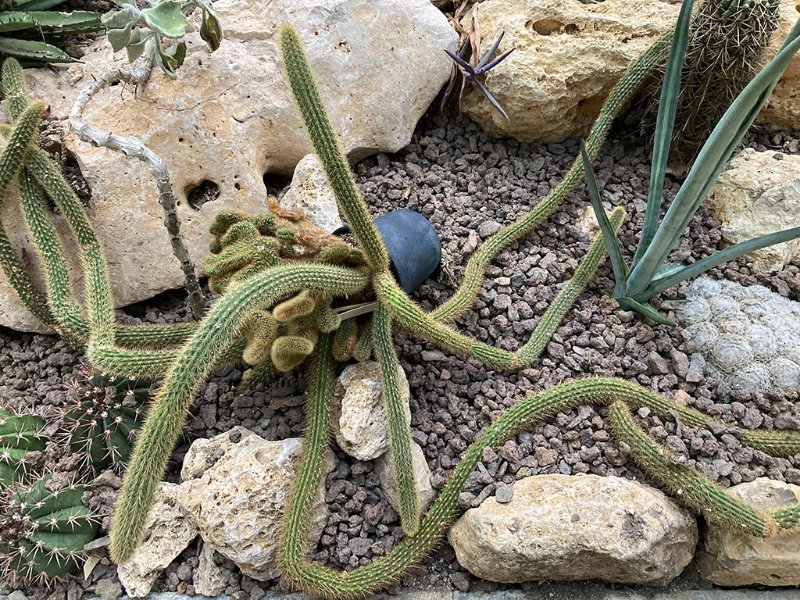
x: 19, y: 434
x: 104, y: 418
x: 42, y: 533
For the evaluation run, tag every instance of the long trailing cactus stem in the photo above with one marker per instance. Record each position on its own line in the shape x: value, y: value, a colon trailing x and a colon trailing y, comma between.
x: 399, y: 432
x: 384, y: 570
x: 693, y: 488
x: 618, y: 100
x: 411, y: 317
x: 170, y: 407
x: 329, y: 149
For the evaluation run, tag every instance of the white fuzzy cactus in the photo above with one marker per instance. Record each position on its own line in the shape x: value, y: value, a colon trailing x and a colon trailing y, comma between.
x: 748, y: 336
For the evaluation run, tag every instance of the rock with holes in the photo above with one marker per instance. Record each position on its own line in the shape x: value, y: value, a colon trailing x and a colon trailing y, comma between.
x: 568, y: 55
x: 168, y: 532
x: 757, y: 194
x: 737, y: 559
x: 422, y: 476
x: 748, y: 337
x: 570, y: 528
x: 229, y: 118
x: 783, y: 109
x: 358, y: 417
x: 235, y: 489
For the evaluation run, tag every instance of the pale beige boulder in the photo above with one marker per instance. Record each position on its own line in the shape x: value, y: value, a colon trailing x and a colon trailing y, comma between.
x: 783, y: 109
x: 422, y: 476
x: 229, y: 118
x: 568, y: 55
x: 235, y: 489
x: 736, y: 559
x: 168, y: 532
x: 571, y: 528
x: 759, y: 193
x: 358, y: 415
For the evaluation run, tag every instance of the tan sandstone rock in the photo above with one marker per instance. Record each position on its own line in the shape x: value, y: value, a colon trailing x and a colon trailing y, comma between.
x: 568, y: 55
x: 783, y: 109
x: 235, y: 488
x: 422, y: 476
x: 735, y: 559
x: 311, y: 194
x: 759, y: 194
x: 229, y: 118
x: 358, y: 415
x: 167, y: 533
x: 559, y: 527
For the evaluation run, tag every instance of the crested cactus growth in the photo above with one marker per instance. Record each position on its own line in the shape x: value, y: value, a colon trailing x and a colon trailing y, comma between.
x: 43, y: 532
x: 289, y: 296
x: 19, y: 434
x: 727, y: 45
x: 104, y: 418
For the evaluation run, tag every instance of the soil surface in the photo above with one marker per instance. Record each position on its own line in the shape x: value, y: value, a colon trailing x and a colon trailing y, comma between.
x: 468, y: 184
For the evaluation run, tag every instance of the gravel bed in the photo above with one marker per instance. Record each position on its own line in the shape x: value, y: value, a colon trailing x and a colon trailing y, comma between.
x: 469, y: 184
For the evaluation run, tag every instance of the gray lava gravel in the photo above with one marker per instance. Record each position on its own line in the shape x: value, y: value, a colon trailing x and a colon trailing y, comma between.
x: 469, y: 184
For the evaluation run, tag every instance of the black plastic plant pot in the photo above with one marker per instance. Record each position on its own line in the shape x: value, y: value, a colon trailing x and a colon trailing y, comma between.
x: 415, y: 250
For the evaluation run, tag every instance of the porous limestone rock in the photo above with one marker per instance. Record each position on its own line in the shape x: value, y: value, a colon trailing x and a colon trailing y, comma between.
x: 567, y: 57
x: 311, y: 194
x: 167, y: 533
x: 783, y: 109
x: 759, y: 193
x: 235, y: 487
x: 559, y: 527
x: 422, y: 476
x: 229, y: 118
x: 730, y: 558
x: 748, y: 337
x: 208, y: 577
x: 358, y: 415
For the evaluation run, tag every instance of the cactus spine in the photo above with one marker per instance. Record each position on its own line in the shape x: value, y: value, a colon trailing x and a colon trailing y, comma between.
x: 19, y: 434
x: 43, y: 532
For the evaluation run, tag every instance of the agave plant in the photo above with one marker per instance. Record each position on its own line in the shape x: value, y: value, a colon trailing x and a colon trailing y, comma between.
x: 24, y: 25
x: 649, y: 273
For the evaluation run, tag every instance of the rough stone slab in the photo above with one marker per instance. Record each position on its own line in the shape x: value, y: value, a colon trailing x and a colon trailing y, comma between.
x: 229, y: 118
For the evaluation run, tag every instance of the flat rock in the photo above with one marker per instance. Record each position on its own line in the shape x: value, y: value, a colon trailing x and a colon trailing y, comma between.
x: 571, y: 528
x: 568, y: 55
x: 229, y: 118
x: 167, y: 533
x: 235, y: 487
x: 759, y: 193
x: 730, y: 558
x: 422, y: 476
x: 358, y: 415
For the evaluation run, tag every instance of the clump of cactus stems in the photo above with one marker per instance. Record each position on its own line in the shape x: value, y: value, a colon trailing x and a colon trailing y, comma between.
x: 43, y: 532
x: 184, y: 356
x: 19, y: 435
x: 726, y: 47
x: 104, y: 417
x: 25, y: 23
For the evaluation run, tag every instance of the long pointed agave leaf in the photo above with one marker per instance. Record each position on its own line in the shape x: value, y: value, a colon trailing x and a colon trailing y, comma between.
x: 37, y: 4
x: 665, y: 123
x: 33, y: 49
x: 609, y: 235
x: 712, y: 160
x: 645, y: 309
x: 721, y: 257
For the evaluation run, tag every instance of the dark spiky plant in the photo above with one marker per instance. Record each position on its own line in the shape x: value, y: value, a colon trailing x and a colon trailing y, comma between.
x: 727, y: 43
x: 649, y: 273
x: 242, y: 319
x: 20, y: 434
x: 43, y: 532
x: 104, y: 417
